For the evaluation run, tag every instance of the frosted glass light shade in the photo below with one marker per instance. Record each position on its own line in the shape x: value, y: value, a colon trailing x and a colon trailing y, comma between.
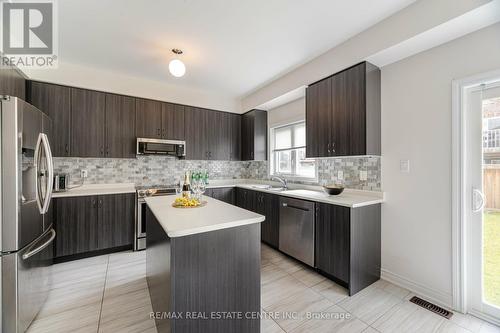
x: 177, y: 68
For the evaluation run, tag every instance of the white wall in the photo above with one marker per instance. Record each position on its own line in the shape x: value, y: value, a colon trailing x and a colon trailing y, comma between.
x: 287, y: 113
x: 412, y: 21
x: 104, y: 80
x: 416, y: 125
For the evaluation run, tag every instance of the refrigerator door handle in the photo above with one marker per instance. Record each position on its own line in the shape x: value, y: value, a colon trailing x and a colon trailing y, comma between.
x: 34, y: 251
x: 43, y: 143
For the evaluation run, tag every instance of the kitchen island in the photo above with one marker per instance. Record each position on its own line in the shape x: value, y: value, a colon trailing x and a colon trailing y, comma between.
x: 203, y: 266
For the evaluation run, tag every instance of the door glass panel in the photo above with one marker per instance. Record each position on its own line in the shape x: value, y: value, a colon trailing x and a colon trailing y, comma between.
x: 491, y: 190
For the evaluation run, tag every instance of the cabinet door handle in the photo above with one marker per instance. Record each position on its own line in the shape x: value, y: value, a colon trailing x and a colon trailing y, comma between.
x: 66, y: 148
x: 333, y: 147
x: 93, y: 203
x: 100, y: 203
x: 158, y: 132
x: 328, y: 147
x: 102, y: 150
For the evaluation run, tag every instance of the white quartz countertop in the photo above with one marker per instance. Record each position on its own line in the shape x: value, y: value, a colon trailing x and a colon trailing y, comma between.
x: 348, y: 198
x: 215, y: 215
x: 96, y: 189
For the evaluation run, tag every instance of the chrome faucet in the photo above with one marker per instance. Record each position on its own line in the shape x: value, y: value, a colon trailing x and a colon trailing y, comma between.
x: 282, y: 181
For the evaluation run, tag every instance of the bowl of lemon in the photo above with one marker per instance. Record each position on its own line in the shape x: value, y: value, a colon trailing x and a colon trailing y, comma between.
x: 183, y: 202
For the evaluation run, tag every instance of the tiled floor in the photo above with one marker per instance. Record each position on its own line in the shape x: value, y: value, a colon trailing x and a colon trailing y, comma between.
x: 109, y: 294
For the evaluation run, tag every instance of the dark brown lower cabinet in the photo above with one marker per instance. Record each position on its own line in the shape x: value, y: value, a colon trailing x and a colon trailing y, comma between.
x: 348, y: 244
x: 268, y: 205
x: 92, y: 223
x: 245, y: 198
x: 116, y: 220
x: 76, y: 225
x: 225, y: 194
x: 332, y: 240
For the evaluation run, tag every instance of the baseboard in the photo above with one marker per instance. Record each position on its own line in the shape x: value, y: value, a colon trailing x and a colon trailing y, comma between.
x: 58, y: 260
x: 485, y: 317
x: 432, y: 295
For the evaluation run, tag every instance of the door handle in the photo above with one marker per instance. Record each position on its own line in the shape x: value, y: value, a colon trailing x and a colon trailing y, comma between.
x: 43, y: 143
x: 477, y: 193
x: 34, y: 251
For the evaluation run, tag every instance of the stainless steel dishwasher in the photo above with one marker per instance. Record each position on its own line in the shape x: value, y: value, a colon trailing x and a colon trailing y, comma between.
x: 297, y: 229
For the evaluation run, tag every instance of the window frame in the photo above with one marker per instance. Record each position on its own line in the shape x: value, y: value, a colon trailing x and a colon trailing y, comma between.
x: 273, y: 156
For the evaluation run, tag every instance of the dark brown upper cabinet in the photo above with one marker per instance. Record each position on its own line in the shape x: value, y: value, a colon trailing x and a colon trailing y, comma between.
x: 148, y: 118
x: 254, y: 136
x: 196, y: 133
x: 235, y: 136
x: 12, y: 82
x: 211, y: 135
x: 172, y: 121
x: 120, y: 126
x: 343, y: 113
x: 55, y: 101
x: 87, y: 123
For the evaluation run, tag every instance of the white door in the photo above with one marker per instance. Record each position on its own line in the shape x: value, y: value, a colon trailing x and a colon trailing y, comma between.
x: 482, y: 198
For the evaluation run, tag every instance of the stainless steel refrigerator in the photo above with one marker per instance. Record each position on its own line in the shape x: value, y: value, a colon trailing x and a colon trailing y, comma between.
x: 26, y: 233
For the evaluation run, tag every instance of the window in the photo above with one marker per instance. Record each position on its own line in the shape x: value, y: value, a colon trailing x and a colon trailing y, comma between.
x: 288, y: 152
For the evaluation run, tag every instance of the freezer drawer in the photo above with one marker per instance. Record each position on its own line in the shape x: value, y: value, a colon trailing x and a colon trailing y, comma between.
x: 296, y: 230
x: 26, y: 281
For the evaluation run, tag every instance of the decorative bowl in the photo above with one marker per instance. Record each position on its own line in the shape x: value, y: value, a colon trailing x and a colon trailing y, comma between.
x: 333, y: 189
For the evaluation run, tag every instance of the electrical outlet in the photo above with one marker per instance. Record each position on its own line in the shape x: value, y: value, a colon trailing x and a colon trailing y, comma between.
x: 340, y: 175
x: 363, y: 175
x: 404, y: 166
x: 84, y: 173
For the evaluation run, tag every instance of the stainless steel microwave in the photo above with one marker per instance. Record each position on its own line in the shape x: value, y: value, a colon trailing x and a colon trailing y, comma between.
x: 147, y: 146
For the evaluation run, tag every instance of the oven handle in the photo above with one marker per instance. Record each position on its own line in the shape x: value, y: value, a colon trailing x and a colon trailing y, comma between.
x: 140, y: 203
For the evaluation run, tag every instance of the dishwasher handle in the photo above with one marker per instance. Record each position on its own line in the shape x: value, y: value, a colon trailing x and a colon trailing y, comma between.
x: 284, y: 204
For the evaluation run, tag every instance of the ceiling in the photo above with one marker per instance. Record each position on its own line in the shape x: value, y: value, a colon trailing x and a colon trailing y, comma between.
x: 233, y: 47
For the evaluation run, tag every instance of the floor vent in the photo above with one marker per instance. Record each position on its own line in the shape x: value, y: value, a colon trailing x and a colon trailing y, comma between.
x: 431, y: 307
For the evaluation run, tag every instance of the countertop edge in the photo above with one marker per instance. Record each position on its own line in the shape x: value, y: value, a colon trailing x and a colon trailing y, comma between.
x: 215, y: 227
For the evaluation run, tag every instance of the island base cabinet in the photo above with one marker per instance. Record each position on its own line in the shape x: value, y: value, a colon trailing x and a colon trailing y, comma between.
x: 348, y: 244
x: 216, y: 272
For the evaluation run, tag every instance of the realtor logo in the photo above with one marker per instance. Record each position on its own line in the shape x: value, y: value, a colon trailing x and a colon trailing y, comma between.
x: 28, y: 30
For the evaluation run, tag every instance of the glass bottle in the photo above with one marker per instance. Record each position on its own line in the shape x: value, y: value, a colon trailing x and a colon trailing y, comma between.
x: 186, y: 187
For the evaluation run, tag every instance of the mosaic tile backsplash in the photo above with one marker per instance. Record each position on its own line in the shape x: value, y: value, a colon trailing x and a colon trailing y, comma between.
x: 146, y: 170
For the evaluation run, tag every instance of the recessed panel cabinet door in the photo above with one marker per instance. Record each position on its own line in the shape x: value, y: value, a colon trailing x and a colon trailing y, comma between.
x: 76, y: 225
x: 172, y: 119
x: 340, y: 126
x: 116, y: 220
x: 333, y: 240
x: 87, y: 123
x: 148, y: 118
x: 120, y: 126
x: 55, y: 101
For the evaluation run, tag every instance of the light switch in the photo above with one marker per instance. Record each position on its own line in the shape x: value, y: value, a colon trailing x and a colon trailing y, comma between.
x: 404, y: 166
x: 340, y: 175
x: 363, y: 175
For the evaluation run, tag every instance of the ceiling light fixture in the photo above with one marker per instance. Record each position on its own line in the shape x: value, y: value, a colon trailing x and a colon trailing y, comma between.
x: 177, y: 67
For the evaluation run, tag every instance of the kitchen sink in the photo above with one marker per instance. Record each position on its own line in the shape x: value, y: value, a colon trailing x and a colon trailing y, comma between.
x: 269, y: 187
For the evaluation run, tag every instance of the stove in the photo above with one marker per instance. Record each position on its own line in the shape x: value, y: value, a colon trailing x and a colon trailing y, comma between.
x: 143, y: 192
